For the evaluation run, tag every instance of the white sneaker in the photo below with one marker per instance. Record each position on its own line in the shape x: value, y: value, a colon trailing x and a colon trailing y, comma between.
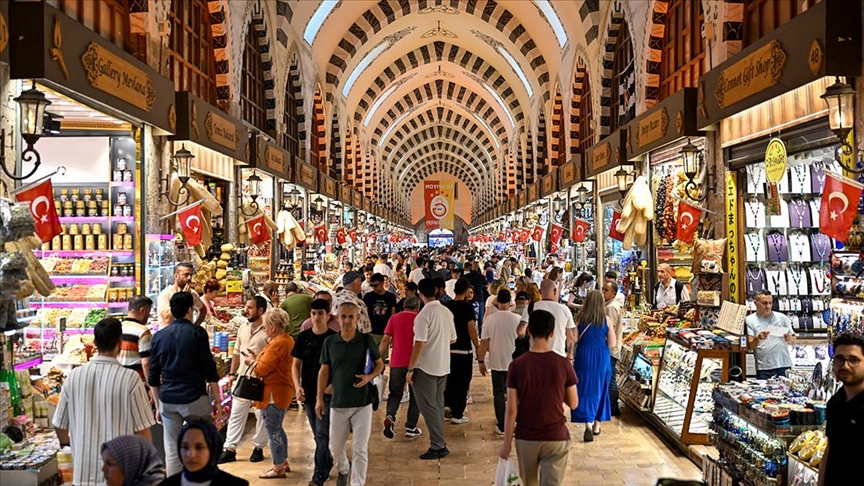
x: 459, y: 421
x: 498, y: 431
x: 406, y: 397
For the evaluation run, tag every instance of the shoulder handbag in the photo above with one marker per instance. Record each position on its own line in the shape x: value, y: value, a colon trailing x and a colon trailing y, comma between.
x: 249, y: 387
x: 367, y: 359
x: 576, y: 344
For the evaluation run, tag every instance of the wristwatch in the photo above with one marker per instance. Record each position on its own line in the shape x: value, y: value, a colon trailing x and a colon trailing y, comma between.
x: 233, y: 374
x: 410, y: 370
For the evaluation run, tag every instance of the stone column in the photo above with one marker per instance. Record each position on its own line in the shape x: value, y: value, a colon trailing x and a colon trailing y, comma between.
x: 157, y: 155
x: 7, y: 123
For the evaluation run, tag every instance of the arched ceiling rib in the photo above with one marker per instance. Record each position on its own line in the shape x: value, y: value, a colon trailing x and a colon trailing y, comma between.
x: 444, y: 146
x: 435, y: 132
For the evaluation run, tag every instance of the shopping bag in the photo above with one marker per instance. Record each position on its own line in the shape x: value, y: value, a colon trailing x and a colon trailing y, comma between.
x: 507, y: 475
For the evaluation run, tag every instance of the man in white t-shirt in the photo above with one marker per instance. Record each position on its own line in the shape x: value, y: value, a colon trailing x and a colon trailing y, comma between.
x: 434, y: 332
x: 182, y: 283
x: 450, y: 285
x: 417, y: 274
x: 499, y: 338
x: 565, y: 328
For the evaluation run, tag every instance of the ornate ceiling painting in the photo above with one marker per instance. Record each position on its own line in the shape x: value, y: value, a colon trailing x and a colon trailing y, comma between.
x: 445, y: 86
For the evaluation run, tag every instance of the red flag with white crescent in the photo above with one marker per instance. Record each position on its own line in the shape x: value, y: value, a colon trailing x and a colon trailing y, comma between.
x: 258, y: 231
x: 190, y: 222
x: 340, y: 236
x: 553, y: 248
x: 321, y: 233
x: 524, y: 235
x: 580, y: 229
x: 352, y: 233
x: 40, y: 198
x: 688, y: 221
x: 537, y: 234
x: 839, y: 204
x: 371, y: 238
x: 555, y: 232
x: 613, y: 228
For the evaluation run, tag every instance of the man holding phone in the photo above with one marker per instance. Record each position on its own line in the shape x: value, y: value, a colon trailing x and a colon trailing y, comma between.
x: 182, y: 283
x: 251, y: 340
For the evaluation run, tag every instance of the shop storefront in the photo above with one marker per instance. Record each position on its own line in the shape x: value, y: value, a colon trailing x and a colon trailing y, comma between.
x: 89, y: 164
x: 779, y: 147
x: 306, y: 183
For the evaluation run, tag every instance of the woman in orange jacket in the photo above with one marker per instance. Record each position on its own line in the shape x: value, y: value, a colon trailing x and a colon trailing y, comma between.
x: 273, y: 365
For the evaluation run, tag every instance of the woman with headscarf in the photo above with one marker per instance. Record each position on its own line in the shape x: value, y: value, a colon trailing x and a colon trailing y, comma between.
x: 131, y: 460
x: 200, y: 447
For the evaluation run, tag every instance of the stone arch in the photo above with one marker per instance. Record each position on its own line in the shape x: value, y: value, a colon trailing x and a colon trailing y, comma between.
x: 335, y: 162
x: 542, y: 161
x: 221, y: 34
x: 654, y: 54
x: 318, y: 146
x: 267, y: 60
x: 557, y: 143
x: 296, y: 83
x: 616, y: 20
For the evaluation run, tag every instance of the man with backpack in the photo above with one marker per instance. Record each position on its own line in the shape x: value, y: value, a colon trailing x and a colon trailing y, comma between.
x: 668, y: 291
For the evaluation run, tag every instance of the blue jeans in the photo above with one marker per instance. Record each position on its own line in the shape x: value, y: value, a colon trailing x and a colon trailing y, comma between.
x: 321, y: 432
x: 765, y: 374
x: 273, y: 417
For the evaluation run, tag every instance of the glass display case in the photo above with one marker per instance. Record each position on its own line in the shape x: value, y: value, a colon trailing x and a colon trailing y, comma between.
x: 639, y: 382
x: 683, y: 400
x: 613, y: 251
x: 161, y: 258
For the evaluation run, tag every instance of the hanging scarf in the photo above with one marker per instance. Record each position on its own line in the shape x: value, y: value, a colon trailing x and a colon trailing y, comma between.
x: 137, y: 458
x: 214, y: 443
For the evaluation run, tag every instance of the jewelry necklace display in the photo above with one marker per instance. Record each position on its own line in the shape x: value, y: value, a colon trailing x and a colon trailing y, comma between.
x: 818, y: 281
x: 796, y: 279
x: 753, y: 207
x: 755, y: 242
x: 820, y: 245
x: 801, y: 176
x: 757, y: 277
x: 801, y: 208
x: 779, y: 244
x: 775, y: 283
x: 798, y: 245
x: 758, y: 180
x: 819, y: 172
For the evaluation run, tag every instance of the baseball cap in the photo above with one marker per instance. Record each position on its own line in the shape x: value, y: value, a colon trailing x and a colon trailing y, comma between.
x: 351, y: 276
x: 522, y: 295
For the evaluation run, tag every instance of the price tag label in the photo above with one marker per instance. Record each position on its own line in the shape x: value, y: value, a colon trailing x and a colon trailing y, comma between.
x: 234, y: 286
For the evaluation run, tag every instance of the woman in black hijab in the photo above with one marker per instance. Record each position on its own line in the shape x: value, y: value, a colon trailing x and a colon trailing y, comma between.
x: 200, y: 447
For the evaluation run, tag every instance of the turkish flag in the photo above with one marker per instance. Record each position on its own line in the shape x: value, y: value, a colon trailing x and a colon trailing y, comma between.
x: 555, y: 232
x: 613, y: 228
x: 190, y: 223
x: 553, y: 248
x: 352, y: 233
x: 524, y: 234
x: 688, y: 221
x: 370, y: 238
x: 537, y: 234
x: 839, y: 204
x: 340, y: 236
x: 258, y: 231
x: 580, y: 229
x: 321, y: 233
x: 40, y: 199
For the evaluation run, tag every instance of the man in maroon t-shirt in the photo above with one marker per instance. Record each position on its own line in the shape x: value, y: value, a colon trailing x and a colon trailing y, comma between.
x: 538, y: 382
x: 400, y: 330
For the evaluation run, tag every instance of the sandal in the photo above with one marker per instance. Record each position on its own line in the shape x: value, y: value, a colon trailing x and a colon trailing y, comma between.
x: 596, y: 432
x: 273, y: 473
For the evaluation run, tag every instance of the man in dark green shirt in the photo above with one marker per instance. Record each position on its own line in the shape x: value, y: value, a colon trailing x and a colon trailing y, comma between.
x: 349, y: 362
x: 297, y: 304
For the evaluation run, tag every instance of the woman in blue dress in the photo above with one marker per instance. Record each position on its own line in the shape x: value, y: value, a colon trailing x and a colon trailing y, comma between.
x: 592, y: 365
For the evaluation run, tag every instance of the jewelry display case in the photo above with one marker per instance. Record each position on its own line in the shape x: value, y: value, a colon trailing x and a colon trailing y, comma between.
x: 847, y: 289
x: 786, y: 253
x: 683, y: 401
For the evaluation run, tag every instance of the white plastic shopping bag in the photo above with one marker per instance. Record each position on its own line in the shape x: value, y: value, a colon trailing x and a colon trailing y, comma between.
x: 507, y: 475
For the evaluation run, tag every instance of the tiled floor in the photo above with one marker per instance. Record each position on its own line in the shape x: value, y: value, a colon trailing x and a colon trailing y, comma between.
x: 628, y: 452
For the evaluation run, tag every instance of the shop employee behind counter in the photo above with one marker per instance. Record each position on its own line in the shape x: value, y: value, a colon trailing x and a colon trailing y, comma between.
x: 770, y: 350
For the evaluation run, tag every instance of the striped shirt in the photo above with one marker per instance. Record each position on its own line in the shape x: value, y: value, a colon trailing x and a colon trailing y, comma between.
x: 135, y: 345
x: 100, y: 401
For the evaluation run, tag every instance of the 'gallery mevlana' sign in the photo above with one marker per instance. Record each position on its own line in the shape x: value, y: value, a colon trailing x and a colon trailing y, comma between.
x: 111, y: 74
x: 760, y: 70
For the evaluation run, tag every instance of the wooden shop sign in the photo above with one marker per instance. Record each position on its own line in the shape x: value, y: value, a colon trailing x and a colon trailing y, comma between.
x: 345, y: 193
x: 356, y: 199
x: 58, y: 51
x: 601, y: 156
x: 823, y: 41
x: 271, y: 158
x: 327, y: 186
x: 549, y: 183
x: 668, y: 121
x: 274, y: 159
x: 110, y: 73
x: 533, y: 192
x: 4, y: 32
x: 567, y: 174
x: 202, y: 123
x: 520, y: 200
x: 307, y: 176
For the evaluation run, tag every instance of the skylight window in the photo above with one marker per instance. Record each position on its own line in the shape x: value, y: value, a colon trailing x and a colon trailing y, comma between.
x: 358, y: 70
x: 553, y: 20
x: 377, y: 104
x: 515, y: 65
x: 318, y: 19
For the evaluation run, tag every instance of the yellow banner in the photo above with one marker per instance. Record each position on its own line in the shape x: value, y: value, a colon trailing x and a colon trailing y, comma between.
x: 732, y: 235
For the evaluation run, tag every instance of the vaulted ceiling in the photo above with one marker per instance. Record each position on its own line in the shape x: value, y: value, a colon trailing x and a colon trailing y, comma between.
x: 442, y: 85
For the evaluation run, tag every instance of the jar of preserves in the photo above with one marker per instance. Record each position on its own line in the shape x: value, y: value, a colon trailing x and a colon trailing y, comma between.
x: 127, y: 242
x: 102, y: 242
x: 64, y: 195
x: 75, y: 195
x: 121, y: 163
x: 80, y: 209
x: 121, y: 198
x: 122, y: 228
x: 97, y: 229
x: 77, y: 242
x: 85, y: 229
x: 118, y: 176
x: 127, y: 176
x: 68, y: 209
x: 73, y: 229
x: 89, y: 242
x: 99, y: 194
x: 127, y: 210
x: 118, y: 210
x: 88, y: 195
x: 104, y: 211
x: 92, y: 209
